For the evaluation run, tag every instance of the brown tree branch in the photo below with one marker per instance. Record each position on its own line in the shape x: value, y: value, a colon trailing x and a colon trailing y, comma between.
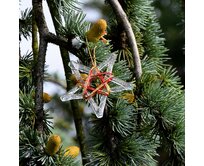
x: 122, y: 17
x: 39, y: 75
x: 62, y: 42
x: 45, y: 38
x: 40, y: 63
x: 44, y: 31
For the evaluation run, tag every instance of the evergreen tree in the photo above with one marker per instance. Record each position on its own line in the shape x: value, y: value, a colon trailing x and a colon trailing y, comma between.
x: 138, y: 126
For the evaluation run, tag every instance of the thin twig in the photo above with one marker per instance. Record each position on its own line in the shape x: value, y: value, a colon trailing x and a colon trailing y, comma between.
x: 122, y: 17
x: 34, y: 37
x: 65, y: 59
x: 52, y: 80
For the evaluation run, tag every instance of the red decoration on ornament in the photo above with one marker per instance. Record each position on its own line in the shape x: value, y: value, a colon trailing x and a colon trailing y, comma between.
x: 103, y: 88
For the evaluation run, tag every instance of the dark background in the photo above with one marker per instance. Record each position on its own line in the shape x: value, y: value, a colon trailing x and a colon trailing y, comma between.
x: 171, y: 15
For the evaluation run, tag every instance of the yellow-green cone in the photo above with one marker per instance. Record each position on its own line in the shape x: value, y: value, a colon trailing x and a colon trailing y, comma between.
x: 53, y: 145
x: 129, y: 97
x: 97, y: 31
x: 46, y: 97
x: 72, y: 151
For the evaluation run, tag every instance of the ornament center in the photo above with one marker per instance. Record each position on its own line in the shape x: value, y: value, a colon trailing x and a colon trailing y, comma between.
x: 97, y: 83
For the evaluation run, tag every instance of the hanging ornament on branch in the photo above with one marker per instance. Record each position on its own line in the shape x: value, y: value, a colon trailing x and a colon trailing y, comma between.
x: 96, y: 83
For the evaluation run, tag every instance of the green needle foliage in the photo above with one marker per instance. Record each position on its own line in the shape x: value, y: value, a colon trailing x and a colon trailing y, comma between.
x: 121, y: 121
x: 25, y: 23
x: 25, y: 72
x: 73, y: 19
x: 26, y: 109
x: 134, y: 132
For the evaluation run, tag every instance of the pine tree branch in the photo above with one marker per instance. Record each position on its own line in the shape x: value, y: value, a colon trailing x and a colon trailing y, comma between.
x: 65, y: 59
x: 40, y: 63
x: 122, y: 17
x: 44, y: 31
x: 45, y: 38
x: 62, y: 42
x: 39, y: 74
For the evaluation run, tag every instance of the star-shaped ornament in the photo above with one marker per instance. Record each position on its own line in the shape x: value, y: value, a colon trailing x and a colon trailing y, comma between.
x: 96, y: 83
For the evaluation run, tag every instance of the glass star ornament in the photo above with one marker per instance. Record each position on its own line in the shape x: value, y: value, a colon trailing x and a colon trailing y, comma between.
x: 95, y: 84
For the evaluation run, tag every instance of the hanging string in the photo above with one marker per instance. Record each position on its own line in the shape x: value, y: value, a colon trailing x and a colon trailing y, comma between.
x: 95, y: 74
